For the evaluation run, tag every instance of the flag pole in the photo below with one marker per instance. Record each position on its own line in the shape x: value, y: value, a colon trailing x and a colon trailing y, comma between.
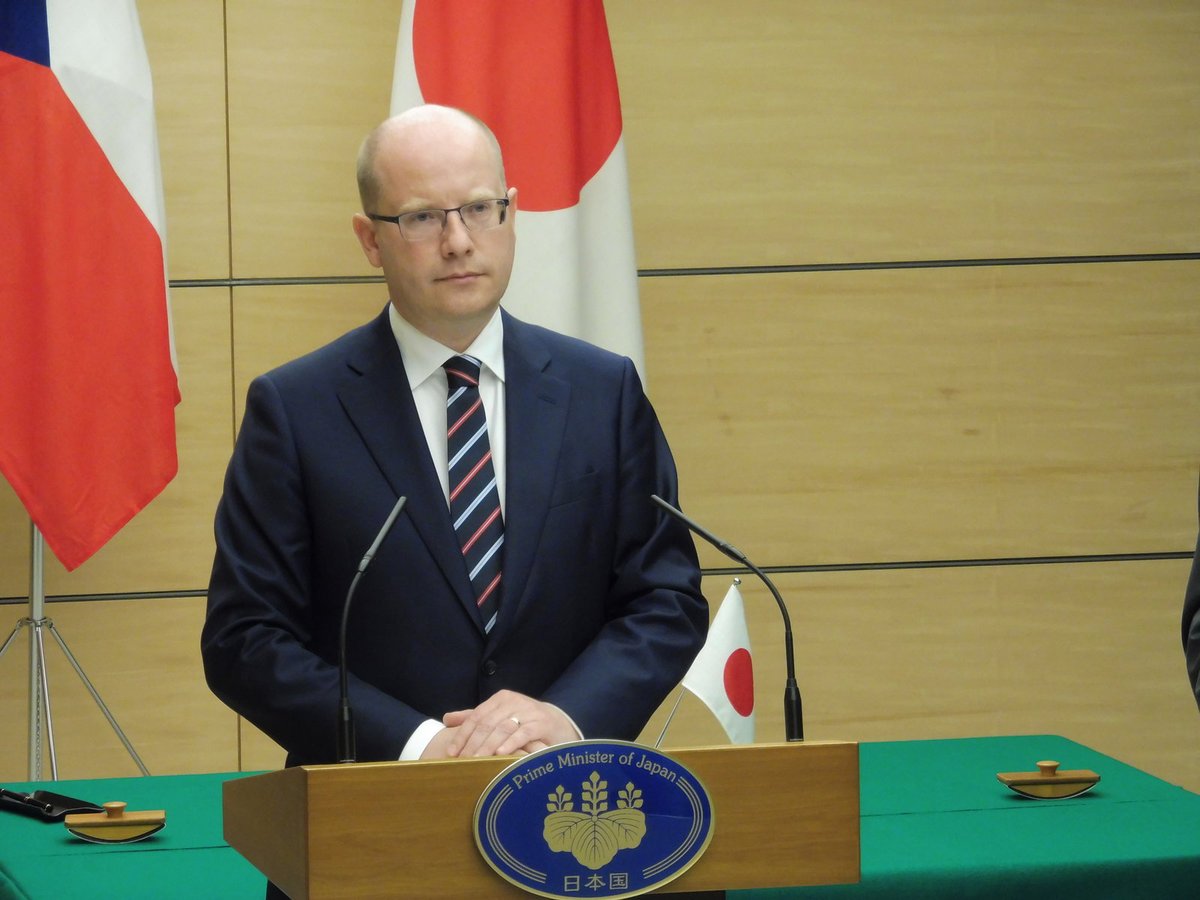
x: 674, y: 709
x: 39, y: 684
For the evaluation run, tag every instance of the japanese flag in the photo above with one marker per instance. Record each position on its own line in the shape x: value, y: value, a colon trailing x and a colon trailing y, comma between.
x: 540, y: 73
x: 723, y: 672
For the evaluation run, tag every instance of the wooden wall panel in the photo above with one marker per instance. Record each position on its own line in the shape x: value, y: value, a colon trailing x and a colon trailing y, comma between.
x: 14, y: 545
x: 185, y: 40
x: 257, y: 752
x: 933, y: 413
x: 277, y: 323
x: 143, y: 657
x: 775, y: 132
x: 307, y: 81
x: 1089, y: 651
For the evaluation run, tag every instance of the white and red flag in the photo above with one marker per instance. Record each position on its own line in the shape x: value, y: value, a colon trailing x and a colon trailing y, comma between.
x: 722, y: 675
x: 88, y: 384
x: 540, y: 73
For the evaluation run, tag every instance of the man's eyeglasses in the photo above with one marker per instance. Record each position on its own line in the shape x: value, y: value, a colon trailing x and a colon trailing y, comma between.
x: 423, y: 224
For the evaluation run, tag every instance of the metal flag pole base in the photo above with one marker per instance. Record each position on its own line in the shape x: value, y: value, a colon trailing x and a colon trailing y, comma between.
x: 39, y: 684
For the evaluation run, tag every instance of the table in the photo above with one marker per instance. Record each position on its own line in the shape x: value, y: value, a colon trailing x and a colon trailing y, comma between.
x: 935, y: 822
x: 187, y: 859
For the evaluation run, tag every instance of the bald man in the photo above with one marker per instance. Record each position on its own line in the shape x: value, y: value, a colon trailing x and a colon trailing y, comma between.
x: 588, y: 609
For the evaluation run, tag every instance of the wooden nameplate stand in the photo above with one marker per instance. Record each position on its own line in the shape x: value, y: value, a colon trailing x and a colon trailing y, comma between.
x: 785, y: 815
x: 116, y: 825
x: 1050, y: 783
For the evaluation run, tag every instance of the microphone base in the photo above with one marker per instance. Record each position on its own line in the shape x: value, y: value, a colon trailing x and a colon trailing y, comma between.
x: 346, y: 749
x: 793, y: 717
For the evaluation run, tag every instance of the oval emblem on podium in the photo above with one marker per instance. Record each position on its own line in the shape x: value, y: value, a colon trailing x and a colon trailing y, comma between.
x: 604, y: 819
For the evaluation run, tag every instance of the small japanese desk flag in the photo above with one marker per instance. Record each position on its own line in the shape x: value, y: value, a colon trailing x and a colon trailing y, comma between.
x: 722, y: 674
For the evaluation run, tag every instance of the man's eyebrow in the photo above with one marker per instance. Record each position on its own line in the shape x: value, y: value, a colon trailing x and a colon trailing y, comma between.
x: 472, y: 197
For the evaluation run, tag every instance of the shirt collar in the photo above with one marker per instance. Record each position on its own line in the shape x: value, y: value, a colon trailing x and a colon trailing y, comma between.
x: 423, y: 355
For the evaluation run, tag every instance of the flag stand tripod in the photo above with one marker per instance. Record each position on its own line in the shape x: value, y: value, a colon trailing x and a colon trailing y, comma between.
x: 39, y: 684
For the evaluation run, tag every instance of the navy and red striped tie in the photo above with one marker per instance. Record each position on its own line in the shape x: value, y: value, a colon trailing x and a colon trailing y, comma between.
x: 474, y: 498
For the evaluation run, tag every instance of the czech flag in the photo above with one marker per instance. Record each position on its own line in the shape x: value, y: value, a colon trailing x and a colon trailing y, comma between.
x: 722, y: 675
x: 88, y: 383
x: 540, y: 73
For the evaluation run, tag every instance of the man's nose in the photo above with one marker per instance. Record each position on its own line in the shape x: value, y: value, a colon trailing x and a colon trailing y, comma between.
x: 456, y: 237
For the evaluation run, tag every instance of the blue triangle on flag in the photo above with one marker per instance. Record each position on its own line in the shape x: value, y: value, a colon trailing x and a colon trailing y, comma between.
x: 24, y: 31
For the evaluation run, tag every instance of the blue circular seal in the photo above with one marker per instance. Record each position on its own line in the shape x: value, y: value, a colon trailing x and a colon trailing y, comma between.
x: 593, y: 818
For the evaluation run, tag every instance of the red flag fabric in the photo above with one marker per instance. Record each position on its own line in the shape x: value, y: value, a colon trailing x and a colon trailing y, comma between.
x: 722, y: 675
x: 88, y: 385
x: 541, y: 75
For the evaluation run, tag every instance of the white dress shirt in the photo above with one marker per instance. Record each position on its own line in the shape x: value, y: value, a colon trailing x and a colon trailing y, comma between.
x: 423, y: 359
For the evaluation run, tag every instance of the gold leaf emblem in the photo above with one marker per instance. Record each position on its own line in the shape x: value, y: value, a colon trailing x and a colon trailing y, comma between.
x: 595, y: 834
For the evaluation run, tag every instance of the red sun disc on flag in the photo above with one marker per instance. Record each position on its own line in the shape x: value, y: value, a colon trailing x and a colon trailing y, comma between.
x: 542, y: 78
x: 739, y: 681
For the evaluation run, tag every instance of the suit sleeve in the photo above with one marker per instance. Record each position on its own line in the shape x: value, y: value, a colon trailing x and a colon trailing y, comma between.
x: 266, y: 643
x: 656, y: 616
x: 1191, y: 624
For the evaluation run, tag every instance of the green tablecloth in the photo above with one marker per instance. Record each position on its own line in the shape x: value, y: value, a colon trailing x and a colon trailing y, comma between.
x: 187, y: 859
x: 935, y: 822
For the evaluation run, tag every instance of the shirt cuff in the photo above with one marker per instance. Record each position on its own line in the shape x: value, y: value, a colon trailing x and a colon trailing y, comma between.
x: 578, y: 733
x: 420, y: 739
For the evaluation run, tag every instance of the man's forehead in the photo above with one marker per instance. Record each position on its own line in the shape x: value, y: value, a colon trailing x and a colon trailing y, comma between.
x: 414, y: 183
x: 419, y: 201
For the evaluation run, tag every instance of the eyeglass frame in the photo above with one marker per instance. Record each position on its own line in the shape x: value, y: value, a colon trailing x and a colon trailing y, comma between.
x: 504, y: 202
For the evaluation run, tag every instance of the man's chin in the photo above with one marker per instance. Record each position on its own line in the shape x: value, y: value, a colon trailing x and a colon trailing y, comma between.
x: 471, y: 310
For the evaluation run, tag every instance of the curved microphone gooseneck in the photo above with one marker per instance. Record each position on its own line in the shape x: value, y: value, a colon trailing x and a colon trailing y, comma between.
x: 793, y: 717
x: 347, y: 750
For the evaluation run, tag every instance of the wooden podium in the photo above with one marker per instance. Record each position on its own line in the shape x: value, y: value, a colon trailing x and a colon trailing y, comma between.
x: 785, y: 814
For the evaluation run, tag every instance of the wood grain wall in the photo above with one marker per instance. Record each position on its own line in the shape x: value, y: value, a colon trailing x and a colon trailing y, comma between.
x: 921, y: 298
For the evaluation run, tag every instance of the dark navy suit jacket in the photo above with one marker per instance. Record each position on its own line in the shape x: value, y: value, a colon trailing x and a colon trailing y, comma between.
x: 601, y: 611
x: 1191, y: 623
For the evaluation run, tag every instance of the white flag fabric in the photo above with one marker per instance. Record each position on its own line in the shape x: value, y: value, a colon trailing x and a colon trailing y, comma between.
x: 722, y: 675
x: 541, y: 75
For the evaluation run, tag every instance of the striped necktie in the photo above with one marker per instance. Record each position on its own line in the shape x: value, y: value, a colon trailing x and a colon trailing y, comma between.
x: 474, y: 498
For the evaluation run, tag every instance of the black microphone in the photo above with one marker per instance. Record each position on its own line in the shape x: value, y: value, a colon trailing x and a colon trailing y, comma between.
x: 792, y: 717
x: 346, y: 742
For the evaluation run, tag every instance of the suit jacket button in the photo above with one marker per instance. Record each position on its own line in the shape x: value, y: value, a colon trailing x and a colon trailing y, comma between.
x: 490, y: 667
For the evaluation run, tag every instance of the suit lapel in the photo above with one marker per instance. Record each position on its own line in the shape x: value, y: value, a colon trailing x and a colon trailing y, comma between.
x: 536, y: 409
x: 380, y: 406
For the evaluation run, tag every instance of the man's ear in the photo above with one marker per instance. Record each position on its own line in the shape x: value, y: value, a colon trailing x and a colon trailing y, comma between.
x: 364, y: 230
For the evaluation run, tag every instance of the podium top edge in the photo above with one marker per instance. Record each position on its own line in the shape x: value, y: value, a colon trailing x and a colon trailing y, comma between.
x: 667, y: 751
